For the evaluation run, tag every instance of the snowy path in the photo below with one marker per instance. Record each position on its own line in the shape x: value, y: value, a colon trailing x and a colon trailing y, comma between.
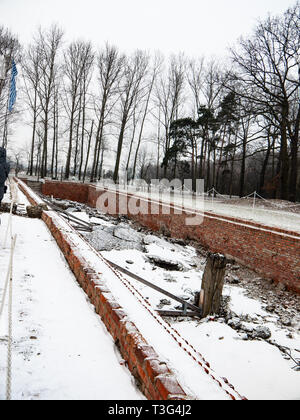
x: 61, y: 348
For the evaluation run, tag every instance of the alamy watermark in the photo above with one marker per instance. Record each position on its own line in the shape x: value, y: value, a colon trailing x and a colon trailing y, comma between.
x: 157, y: 197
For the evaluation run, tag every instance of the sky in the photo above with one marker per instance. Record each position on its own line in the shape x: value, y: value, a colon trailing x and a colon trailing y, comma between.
x: 196, y: 27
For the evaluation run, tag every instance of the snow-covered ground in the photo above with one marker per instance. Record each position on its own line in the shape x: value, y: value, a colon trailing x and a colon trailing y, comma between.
x: 61, y: 349
x: 256, y: 367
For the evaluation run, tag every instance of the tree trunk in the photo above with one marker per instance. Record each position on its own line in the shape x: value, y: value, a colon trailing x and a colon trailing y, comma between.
x: 119, y: 151
x: 264, y: 167
x: 88, y: 152
x: 243, y: 167
x: 284, y: 157
x: 294, y: 161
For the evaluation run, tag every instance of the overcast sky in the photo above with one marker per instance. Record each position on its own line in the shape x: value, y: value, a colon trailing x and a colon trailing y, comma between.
x: 195, y: 27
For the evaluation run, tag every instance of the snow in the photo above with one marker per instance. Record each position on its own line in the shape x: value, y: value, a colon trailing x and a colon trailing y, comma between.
x: 61, y: 349
x: 272, y: 218
x: 241, y: 304
x: 256, y: 368
x: 37, y: 199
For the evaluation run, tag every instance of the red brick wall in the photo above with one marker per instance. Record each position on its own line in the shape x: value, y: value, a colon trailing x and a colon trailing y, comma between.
x: 73, y: 191
x: 272, y: 252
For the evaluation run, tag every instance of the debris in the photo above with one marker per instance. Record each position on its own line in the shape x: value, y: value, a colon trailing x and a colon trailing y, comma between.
x: 244, y: 337
x: 165, y: 263
x: 5, y: 208
x: 262, y: 332
x: 169, y: 278
x: 232, y: 279
x: 35, y: 212
x: 165, y: 302
x: 286, y: 322
x: 235, y: 323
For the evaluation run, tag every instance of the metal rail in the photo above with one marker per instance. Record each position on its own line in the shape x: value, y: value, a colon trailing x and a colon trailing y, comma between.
x: 184, y: 303
x: 187, y: 314
x: 82, y: 225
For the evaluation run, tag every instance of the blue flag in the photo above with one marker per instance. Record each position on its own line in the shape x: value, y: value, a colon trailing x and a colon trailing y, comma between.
x: 13, y: 90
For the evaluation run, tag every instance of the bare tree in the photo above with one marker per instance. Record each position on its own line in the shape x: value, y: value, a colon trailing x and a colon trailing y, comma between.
x: 9, y: 49
x: 169, y: 94
x: 268, y: 67
x: 149, y: 87
x: 47, y: 43
x: 78, y: 62
x: 31, y: 75
x: 195, y: 72
x: 110, y: 67
x: 135, y: 69
x: 88, y: 151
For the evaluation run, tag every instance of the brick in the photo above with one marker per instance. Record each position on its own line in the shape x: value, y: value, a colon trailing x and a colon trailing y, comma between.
x: 118, y: 315
x: 144, y: 351
x: 155, y: 368
x: 168, y: 385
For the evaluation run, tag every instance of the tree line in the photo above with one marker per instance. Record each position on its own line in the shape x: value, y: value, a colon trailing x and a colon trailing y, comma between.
x: 102, y: 113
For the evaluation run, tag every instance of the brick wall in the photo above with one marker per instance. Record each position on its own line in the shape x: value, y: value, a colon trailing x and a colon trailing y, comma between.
x: 73, y: 191
x: 272, y: 252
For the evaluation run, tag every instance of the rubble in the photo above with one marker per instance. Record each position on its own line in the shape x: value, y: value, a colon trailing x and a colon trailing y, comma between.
x: 262, y: 332
x: 35, y: 212
x: 158, y: 250
x: 165, y: 263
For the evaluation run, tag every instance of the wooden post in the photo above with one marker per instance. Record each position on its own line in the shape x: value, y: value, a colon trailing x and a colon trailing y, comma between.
x: 212, y: 285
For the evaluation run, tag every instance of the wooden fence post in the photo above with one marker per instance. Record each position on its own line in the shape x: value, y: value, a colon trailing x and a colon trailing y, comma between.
x: 212, y: 285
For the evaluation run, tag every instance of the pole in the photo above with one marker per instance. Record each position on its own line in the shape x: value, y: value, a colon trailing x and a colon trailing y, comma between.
x: 3, y: 62
x: 5, y: 129
x: 254, y: 200
x: 10, y: 322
